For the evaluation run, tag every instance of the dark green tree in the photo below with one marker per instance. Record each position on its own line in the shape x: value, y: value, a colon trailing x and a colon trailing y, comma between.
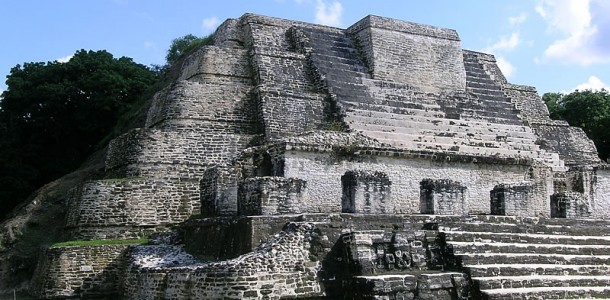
x: 53, y: 115
x: 589, y: 110
x: 183, y: 45
x: 552, y: 102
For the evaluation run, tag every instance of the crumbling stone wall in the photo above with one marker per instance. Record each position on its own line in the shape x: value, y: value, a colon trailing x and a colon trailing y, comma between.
x: 279, y: 268
x: 82, y: 272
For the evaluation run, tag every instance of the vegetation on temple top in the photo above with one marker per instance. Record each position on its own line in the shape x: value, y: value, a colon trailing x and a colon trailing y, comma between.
x: 184, y: 45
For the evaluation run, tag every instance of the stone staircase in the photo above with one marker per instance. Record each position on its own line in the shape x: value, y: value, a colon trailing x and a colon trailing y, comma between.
x: 479, y: 121
x: 532, y: 258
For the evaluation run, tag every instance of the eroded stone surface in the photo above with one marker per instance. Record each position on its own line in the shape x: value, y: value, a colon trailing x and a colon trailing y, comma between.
x: 350, y: 137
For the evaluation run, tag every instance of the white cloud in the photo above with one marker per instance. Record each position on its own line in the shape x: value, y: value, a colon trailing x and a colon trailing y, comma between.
x: 593, y: 83
x: 209, y: 23
x: 65, y: 59
x: 505, y: 66
x: 329, y: 14
x: 584, y: 26
x: 517, y: 20
x: 505, y: 43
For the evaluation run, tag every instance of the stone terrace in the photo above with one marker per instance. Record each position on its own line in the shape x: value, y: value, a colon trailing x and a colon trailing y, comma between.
x: 482, y: 121
x: 530, y: 258
x: 296, y: 160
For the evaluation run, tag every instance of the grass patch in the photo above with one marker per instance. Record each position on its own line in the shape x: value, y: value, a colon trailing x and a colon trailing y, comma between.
x: 101, y: 242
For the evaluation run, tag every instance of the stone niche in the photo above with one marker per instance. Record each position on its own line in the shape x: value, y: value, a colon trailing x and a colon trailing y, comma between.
x: 569, y: 205
x: 271, y: 196
x: 510, y: 200
x: 365, y: 192
x: 442, y: 197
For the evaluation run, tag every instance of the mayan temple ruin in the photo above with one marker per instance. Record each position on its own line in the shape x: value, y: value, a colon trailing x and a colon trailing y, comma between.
x: 290, y: 160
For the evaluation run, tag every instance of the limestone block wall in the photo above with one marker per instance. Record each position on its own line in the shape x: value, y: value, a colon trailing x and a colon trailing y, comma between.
x: 600, y: 206
x: 528, y: 102
x: 219, y: 187
x: 287, y: 113
x: 365, y: 192
x: 270, y: 196
x: 289, y: 101
x: 323, y: 172
x: 442, y: 197
x: 572, y: 144
x: 219, y: 61
x: 511, y: 200
x: 228, y: 34
x: 186, y: 152
x: 229, y: 103
x: 279, y: 268
x: 133, y: 202
x: 426, y: 57
x: 82, y: 272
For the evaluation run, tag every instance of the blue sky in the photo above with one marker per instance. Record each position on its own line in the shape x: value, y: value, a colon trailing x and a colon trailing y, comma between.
x: 554, y: 45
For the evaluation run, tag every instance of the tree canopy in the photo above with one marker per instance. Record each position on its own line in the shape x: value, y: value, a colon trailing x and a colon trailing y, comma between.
x: 53, y: 115
x: 182, y: 45
x: 589, y: 110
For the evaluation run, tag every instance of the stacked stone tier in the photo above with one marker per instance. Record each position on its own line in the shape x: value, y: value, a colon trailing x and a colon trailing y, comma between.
x: 514, y: 258
x: 480, y: 121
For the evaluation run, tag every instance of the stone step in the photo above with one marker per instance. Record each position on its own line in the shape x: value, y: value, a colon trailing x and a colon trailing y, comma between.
x: 345, y: 55
x: 497, y: 247
x: 481, y: 78
x: 349, y: 73
x: 530, y: 258
x: 490, y: 109
x: 473, y: 72
x: 497, y: 117
x: 439, y: 129
x: 546, y: 293
x: 394, y: 105
x: 551, y: 159
x: 526, y: 238
x: 480, y: 101
x: 482, y: 84
x: 528, y: 281
x: 450, y: 141
x: 554, y: 229
x: 488, y: 94
x: 483, y: 135
x: 406, y: 142
x: 485, y: 270
x: 335, y: 64
x: 401, y: 111
x: 376, y: 117
x: 542, y: 221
